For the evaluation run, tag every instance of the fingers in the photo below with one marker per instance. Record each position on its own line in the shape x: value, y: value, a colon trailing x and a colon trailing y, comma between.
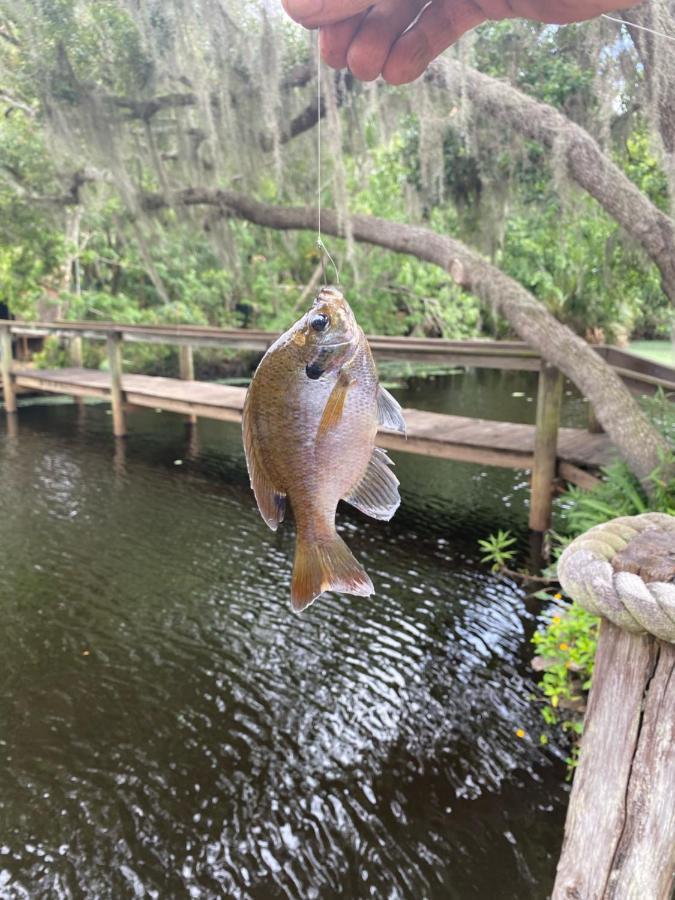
x: 335, y: 40
x: 379, y: 31
x: 316, y: 13
x: 441, y: 24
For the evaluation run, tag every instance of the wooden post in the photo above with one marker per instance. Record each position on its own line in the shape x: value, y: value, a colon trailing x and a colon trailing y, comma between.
x: 187, y: 372
x: 75, y: 353
x: 620, y: 830
x: 116, y: 395
x: 549, y: 401
x: 6, y: 366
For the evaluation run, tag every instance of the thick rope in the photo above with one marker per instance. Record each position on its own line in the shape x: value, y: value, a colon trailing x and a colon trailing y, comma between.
x: 586, y: 573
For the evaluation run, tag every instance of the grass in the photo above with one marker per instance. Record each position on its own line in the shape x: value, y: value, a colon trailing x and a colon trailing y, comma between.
x: 658, y: 351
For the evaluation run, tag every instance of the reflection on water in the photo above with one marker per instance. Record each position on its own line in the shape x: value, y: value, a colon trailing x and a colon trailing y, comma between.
x: 168, y: 728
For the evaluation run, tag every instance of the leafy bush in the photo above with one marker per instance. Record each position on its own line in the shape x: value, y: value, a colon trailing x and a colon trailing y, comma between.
x: 565, y: 653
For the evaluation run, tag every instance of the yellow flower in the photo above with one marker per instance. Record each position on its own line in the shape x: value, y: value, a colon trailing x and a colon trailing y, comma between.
x: 557, y: 596
x: 520, y: 733
x: 556, y: 620
x: 564, y: 646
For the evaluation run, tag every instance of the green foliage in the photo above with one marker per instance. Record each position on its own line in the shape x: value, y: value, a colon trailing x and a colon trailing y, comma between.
x: 566, y: 643
x: 566, y: 652
x: 619, y: 494
x: 93, y: 61
x: 574, y: 261
x: 495, y: 549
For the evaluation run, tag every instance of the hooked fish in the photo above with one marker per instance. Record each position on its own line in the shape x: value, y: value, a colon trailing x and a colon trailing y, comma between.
x: 310, y: 419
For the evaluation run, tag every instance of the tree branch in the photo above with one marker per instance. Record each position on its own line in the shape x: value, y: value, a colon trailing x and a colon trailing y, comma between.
x: 146, y: 109
x: 617, y: 411
x: 586, y: 163
x: 13, y: 103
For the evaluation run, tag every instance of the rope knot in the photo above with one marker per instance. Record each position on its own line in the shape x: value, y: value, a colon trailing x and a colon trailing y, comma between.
x: 624, y: 570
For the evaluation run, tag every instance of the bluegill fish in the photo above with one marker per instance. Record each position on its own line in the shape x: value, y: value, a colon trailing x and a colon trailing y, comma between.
x: 310, y: 419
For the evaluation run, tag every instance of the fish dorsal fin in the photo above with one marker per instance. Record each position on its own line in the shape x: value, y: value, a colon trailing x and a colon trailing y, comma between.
x: 271, y: 502
x: 376, y: 494
x: 335, y: 405
x: 389, y: 412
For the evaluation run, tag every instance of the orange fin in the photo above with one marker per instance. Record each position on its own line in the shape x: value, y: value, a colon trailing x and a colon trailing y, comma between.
x: 335, y: 405
x: 326, y: 566
x: 271, y: 502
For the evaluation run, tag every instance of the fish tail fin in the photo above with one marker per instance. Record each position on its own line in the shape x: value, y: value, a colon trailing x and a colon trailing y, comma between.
x: 326, y: 565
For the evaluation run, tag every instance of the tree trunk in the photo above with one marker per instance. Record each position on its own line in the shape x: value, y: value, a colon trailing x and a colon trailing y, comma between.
x: 638, y: 441
x: 657, y: 56
x: 587, y: 165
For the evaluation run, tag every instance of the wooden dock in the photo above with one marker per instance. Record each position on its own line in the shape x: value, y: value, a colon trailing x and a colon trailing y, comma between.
x: 549, y: 451
x: 504, y: 444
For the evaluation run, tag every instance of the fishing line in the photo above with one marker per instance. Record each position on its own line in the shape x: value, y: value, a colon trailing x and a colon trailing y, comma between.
x: 319, y: 242
x: 661, y: 34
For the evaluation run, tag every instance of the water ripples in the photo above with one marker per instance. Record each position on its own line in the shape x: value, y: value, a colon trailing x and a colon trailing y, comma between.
x: 170, y: 728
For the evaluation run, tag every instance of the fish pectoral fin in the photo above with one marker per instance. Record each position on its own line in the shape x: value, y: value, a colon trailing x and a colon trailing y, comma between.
x: 326, y: 566
x: 335, y: 405
x: 389, y: 412
x: 271, y: 502
x: 376, y: 494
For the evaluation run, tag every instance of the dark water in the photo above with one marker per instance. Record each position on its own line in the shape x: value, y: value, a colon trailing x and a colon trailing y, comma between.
x: 168, y: 728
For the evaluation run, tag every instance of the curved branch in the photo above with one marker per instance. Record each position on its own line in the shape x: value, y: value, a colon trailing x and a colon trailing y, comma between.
x: 586, y: 163
x: 618, y: 412
x: 15, y: 103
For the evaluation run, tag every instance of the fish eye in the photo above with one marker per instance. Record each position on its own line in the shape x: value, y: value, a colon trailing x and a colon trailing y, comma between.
x: 320, y: 322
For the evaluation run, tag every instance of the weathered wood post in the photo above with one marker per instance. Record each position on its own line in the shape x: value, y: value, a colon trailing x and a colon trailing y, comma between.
x: 116, y: 394
x: 75, y: 354
x: 620, y: 830
x: 549, y: 401
x: 187, y: 372
x: 8, y: 387
x: 75, y: 351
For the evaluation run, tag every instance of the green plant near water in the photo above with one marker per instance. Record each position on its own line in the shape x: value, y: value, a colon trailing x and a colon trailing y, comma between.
x: 565, y: 644
x: 565, y: 653
x: 496, y: 549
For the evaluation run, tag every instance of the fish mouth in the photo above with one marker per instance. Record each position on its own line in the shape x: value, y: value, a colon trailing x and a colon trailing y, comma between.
x: 314, y: 371
x: 324, y: 357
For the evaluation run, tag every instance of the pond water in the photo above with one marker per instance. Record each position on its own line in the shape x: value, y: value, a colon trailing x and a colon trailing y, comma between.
x: 168, y: 728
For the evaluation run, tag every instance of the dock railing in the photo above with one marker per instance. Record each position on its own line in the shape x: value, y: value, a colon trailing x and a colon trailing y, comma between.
x: 640, y: 375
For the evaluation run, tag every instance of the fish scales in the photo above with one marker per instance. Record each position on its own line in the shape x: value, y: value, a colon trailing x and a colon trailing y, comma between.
x: 310, y: 419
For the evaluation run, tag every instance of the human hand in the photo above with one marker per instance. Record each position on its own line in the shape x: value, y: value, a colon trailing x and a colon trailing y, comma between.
x: 375, y: 38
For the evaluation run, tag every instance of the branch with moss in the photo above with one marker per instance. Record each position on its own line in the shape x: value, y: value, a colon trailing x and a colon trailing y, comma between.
x: 617, y: 411
x: 585, y: 162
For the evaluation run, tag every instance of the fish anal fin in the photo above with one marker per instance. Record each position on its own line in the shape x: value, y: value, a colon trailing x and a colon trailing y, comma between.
x: 376, y: 494
x: 327, y: 565
x: 389, y: 412
x: 335, y: 405
x: 271, y: 502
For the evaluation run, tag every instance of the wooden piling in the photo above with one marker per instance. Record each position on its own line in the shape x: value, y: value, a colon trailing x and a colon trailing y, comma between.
x: 76, y: 360
x: 116, y: 395
x: 549, y: 402
x: 187, y: 372
x: 75, y: 352
x: 620, y: 830
x: 8, y: 386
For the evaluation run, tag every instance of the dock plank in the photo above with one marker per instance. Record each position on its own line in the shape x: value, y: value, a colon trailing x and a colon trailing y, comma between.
x: 506, y: 444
